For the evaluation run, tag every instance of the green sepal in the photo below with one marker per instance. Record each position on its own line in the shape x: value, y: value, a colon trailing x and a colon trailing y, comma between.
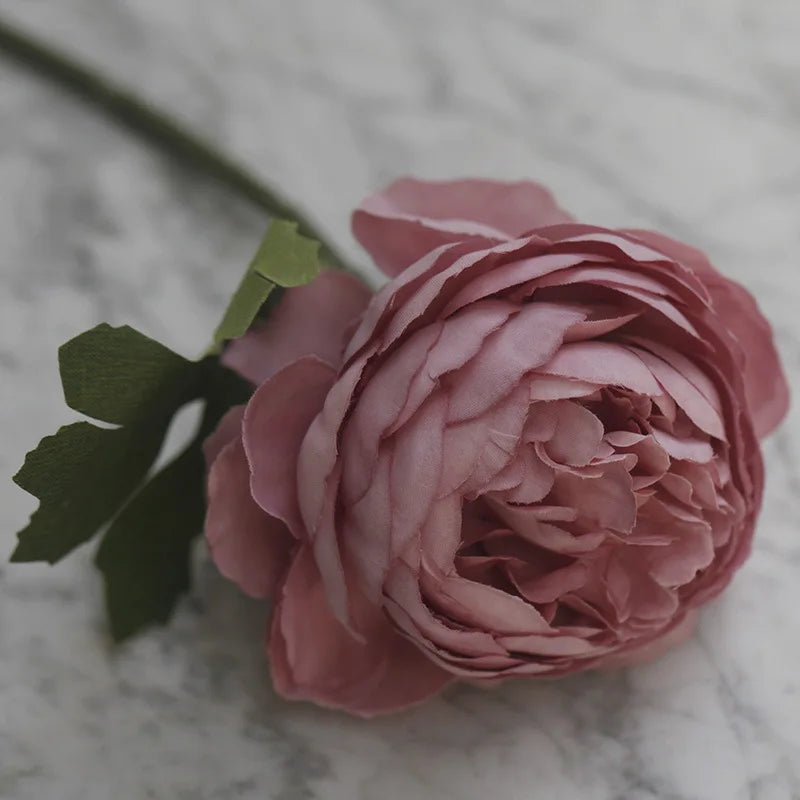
x: 284, y: 259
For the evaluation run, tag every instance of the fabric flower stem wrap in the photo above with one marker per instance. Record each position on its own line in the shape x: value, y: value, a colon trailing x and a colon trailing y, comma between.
x: 534, y: 451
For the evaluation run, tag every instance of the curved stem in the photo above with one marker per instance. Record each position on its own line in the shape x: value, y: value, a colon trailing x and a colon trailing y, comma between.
x: 155, y: 127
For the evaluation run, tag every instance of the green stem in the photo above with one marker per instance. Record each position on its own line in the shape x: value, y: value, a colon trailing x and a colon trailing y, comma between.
x: 155, y: 127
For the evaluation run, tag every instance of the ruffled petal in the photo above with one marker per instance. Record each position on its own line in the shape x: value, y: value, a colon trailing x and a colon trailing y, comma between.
x: 604, y: 364
x: 249, y: 546
x: 410, y: 218
x: 275, y: 423
x: 765, y: 383
x: 313, y: 657
x: 527, y: 340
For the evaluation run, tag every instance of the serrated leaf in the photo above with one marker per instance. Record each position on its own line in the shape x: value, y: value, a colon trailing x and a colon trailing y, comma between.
x: 81, y: 475
x: 118, y: 375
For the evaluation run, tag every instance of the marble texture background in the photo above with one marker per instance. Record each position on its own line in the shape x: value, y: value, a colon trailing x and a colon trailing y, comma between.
x: 683, y: 116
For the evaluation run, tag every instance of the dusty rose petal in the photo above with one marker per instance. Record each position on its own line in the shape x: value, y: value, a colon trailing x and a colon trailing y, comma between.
x: 540, y: 646
x: 310, y: 320
x: 693, y: 373
x: 396, y: 293
x: 684, y: 448
x: 613, y: 244
x: 480, y: 606
x: 369, y: 530
x: 607, y: 501
x: 317, y: 458
x: 576, y: 437
x: 249, y: 546
x: 603, y: 363
x: 410, y: 218
x: 474, y: 451
x: 461, y: 338
x: 685, y: 394
x: 525, y: 521
x: 313, y: 657
x: 439, y: 538
x: 512, y: 273
x: 766, y: 385
x: 691, y: 551
x: 599, y: 326
x: 552, y: 585
x: 403, y: 588
x: 417, y: 451
x: 527, y: 340
x: 428, y: 300
x: 379, y: 408
x: 537, y: 479
x: 593, y: 273
x: 554, y: 387
x: 327, y: 552
x: 275, y: 423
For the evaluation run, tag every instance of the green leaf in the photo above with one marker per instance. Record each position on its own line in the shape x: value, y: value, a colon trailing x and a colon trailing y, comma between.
x: 287, y: 258
x: 222, y: 388
x: 284, y: 259
x: 81, y: 475
x: 87, y: 477
x: 118, y: 375
x: 243, y: 308
x: 145, y: 554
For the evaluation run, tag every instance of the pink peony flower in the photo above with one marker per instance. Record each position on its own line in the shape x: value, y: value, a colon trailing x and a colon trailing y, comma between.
x: 534, y: 451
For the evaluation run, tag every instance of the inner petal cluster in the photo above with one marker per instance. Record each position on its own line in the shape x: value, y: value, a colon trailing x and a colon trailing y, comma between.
x: 548, y: 486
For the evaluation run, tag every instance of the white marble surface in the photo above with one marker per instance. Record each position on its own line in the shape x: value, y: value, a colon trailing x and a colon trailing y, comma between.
x: 684, y: 116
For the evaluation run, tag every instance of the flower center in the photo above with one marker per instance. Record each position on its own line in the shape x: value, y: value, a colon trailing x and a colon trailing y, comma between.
x: 607, y: 511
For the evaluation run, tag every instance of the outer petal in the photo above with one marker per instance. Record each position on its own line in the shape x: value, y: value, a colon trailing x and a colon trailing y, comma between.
x: 249, y: 547
x: 275, y: 422
x: 765, y: 383
x: 309, y: 320
x: 313, y: 657
x: 411, y: 218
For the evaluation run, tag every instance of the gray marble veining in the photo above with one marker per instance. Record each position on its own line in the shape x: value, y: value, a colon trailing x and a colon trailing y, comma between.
x: 682, y: 116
